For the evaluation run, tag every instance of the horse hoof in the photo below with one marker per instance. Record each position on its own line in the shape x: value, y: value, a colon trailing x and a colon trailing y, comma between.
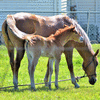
x: 56, y: 86
x: 15, y: 88
x: 33, y: 89
x: 77, y: 86
x: 49, y: 87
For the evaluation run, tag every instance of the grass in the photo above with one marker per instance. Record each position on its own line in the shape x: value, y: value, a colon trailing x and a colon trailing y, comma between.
x: 66, y: 89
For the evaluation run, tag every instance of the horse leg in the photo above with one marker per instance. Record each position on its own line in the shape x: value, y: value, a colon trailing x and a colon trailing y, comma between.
x: 56, y: 71
x: 68, y: 54
x: 19, y: 56
x: 47, y: 75
x: 11, y: 56
x: 50, y: 71
x: 10, y: 49
x: 32, y: 64
x: 29, y: 62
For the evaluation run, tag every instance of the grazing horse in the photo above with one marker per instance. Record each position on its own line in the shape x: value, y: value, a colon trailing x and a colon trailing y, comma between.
x: 44, y: 26
x: 51, y: 47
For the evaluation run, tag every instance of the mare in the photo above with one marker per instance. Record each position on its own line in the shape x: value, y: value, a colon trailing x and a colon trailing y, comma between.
x: 29, y: 23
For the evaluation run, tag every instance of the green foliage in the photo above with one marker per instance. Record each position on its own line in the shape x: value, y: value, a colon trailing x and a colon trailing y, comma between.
x: 66, y: 89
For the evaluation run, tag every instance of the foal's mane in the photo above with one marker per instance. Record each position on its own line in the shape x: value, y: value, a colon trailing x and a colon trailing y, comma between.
x: 58, y: 35
x: 60, y: 32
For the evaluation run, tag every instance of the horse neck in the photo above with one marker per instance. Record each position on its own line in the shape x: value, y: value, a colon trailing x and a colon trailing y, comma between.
x: 84, y: 50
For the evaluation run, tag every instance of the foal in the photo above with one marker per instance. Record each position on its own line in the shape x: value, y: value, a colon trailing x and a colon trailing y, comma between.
x: 51, y: 47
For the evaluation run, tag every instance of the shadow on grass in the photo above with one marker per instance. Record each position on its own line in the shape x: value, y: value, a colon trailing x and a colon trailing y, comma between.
x: 43, y: 88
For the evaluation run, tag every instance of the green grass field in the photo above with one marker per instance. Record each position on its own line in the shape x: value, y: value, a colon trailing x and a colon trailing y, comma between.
x: 66, y: 89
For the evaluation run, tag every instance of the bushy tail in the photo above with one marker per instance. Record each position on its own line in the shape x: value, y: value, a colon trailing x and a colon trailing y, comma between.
x: 12, y: 26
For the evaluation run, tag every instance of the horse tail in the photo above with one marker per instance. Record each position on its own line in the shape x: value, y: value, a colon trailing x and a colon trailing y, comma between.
x: 5, y: 32
x: 12, y: 26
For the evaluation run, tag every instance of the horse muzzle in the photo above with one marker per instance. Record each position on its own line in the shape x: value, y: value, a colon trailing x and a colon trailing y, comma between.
x: 92, y: 81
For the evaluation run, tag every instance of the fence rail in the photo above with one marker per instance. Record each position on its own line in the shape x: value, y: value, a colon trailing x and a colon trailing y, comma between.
x: 92, y: 12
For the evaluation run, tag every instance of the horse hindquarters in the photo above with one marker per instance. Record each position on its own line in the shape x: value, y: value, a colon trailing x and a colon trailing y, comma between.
x: 11, y: 41
x: 8, y: 44
x: 19, y: 45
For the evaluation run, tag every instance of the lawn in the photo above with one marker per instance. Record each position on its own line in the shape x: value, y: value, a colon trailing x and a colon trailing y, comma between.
x: 66, y: 89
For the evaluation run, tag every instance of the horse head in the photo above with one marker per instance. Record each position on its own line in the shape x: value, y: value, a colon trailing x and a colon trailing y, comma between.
x: 90, y: 68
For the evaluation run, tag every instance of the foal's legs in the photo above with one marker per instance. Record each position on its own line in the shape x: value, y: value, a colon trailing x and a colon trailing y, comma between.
x: 68, y: 54
x: 32, y: 64
x: 50, y: 64
x: 47, y: 75
x: 50, y: 71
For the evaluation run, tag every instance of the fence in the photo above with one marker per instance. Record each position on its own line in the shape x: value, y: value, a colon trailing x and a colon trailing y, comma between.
x: 89, y: 20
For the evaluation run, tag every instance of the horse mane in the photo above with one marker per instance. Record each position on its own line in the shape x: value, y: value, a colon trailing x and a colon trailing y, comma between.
x: 79, y: 29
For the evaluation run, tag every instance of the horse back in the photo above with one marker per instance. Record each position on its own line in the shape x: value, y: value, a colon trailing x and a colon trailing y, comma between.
x: 44, y: 26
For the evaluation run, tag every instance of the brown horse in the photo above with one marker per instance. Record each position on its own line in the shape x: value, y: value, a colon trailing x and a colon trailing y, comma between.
x: 30, y: 23
x: 51, y: 47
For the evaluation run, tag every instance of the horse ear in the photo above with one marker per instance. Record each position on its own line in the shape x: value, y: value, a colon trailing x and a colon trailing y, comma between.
x: 72, y: 29
x: 96, y: 53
